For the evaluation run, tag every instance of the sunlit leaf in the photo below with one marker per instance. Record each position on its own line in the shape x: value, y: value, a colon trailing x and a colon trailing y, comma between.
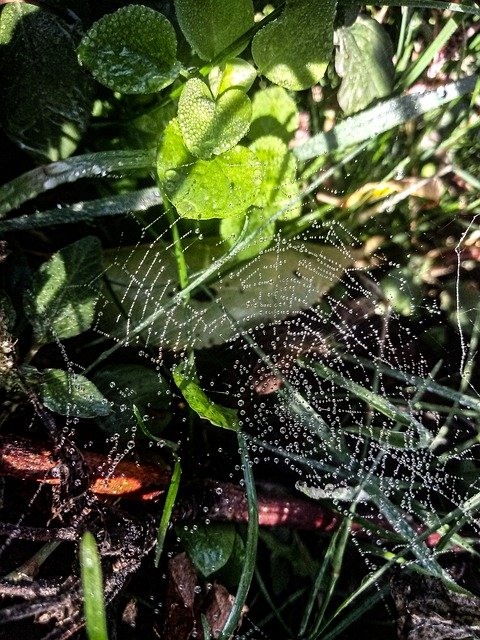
x: 131, y: 51
x: 211, y: 25
x: 65, y: 289
x: 92, y: 586
x: 46, y: 98
x: 211, y: 127
x: 274, y: 113
x: 235, y: 73
x: 278, y: 187
x: 71, y: 394
x: 364, y: 61
x: 199, y: 402
x: 294, y: 50
x: 221, y: 187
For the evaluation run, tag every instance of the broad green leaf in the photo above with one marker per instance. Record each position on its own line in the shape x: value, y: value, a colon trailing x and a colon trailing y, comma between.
x: 364, y: 62
x: 199, y: 402
x: 71, y: 394
x: 278, y: 186
x: 65, y: 289
x: 212, y: 25
x: 294, y: 50
x: 211, y: 127
x: 277, y: 283
x: 209, y: 546
x: 274, y: 113
x: 233, y: 74
x: 92, y: 587
x: 132, y: 50
x: 46, y: 98
x: 221, y: 187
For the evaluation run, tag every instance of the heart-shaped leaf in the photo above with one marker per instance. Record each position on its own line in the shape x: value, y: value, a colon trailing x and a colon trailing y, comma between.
x: 132, y: 50
x: 212, y: 25
x: 221, y: 187
x: 364, y: 61
x: 211, y: 127
x: 294, y: 50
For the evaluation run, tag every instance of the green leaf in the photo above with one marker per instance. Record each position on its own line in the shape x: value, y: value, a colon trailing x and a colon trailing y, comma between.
x: 132, y: 50
x: 279, y: 282
x: 46, y: 97
x: 221, y: 187
x: 65, y: 289
x: 212, y: 25
x: 209, y: 546
x: 199, y: 402
x: 235, y: 73
x: 71, y: 394
x: 92, y: 586
x: 278, y: 186
x: 232, y: 229
x: 294, y: 50
x: 211, y: 127
x: 364, y: 61
x: 274, y: 113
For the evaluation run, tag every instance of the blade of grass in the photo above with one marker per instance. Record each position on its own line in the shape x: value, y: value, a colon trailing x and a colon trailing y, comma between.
x: 92, y: 585
x: 429, y: 4
x: 167, y: 509
x: 384, y: 116
x: 250, y: 545
x: 90, y: 165
x: 422, y: 62
x: 117, y: 205
x: 326, y: 578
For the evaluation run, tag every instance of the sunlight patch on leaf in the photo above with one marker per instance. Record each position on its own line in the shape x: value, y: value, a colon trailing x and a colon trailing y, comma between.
x: 131, y: 51
x: 294, y: 50
x: 65, y: 290
x: 274, y: 113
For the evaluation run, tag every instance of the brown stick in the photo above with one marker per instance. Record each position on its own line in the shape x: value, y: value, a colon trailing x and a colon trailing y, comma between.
x: 211, y: 500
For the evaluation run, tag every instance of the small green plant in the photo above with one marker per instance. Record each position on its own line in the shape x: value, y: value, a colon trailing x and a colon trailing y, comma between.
x: 219, y: 279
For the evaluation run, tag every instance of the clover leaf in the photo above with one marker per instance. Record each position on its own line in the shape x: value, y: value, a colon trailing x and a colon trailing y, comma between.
x: 212, y: 25
x: 221, y: 187
x: 210, y: 126
x: 294, y: 50
x: 131, y: 51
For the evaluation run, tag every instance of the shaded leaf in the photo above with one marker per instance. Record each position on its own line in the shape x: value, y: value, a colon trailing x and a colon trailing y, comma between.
x: 71, y: 394
x: 294, y: 50
x: 46, y: 97
x: 364, y: 61
x: 65, y: 289
x: 212, y: 25
x: 209, y: 546
x: 132, y: 50
x: 212, y: 126
x: 279, y: 282
x: 218, y: 188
